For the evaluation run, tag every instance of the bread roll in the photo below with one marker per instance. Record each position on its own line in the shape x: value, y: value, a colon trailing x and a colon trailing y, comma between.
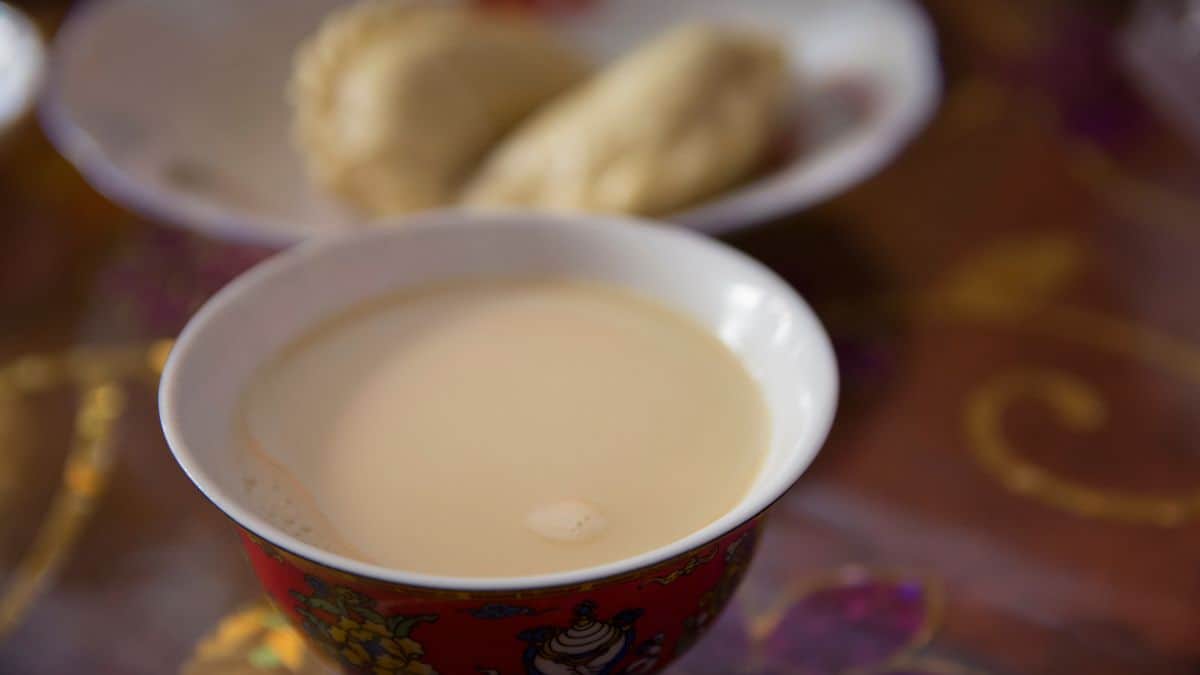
x: 395, y: 102
x: 687, y: 115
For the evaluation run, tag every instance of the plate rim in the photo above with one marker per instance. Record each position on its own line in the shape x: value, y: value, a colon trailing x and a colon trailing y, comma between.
x: 33, y: 43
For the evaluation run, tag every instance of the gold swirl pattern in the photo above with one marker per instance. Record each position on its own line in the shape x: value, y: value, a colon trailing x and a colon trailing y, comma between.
x: 1080, y: 408
x: 1010, y: 287
x: 96, y: 373
x: 1009, y: 300
x: 254, y: 640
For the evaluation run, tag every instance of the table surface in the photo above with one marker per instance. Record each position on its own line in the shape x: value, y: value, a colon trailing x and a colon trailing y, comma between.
x: 1011, y: 486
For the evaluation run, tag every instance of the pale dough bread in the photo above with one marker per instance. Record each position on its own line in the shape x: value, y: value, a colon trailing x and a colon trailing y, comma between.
x: 685, y: 116
x: 395, y: 102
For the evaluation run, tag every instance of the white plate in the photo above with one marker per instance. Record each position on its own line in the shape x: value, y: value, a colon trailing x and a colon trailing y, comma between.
x: 177, y: 108
x: 21, y: 59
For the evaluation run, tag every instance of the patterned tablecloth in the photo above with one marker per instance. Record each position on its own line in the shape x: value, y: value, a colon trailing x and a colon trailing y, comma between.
x: 1011, y: 487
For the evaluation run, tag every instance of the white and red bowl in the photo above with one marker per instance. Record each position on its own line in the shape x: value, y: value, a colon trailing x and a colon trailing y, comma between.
x: 373, y: 619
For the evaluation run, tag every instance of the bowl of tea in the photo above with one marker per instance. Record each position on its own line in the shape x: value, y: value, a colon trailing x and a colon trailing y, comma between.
x: 501, y: 443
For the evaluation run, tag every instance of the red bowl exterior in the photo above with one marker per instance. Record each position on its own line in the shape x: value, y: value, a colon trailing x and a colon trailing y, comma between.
x: 632, y: 624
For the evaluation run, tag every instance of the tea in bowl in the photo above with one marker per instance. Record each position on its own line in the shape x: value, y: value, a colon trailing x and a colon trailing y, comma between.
x: 505, y: 443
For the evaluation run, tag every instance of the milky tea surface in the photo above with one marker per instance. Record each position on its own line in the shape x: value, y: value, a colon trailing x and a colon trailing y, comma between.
x: 501, y: 429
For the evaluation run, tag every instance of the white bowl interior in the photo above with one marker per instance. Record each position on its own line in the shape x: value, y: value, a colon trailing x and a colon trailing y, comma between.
x: 752, y: 311
x: 163, y: 120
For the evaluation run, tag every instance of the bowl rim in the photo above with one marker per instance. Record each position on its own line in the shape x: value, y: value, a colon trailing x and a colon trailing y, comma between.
x: 797, y: 460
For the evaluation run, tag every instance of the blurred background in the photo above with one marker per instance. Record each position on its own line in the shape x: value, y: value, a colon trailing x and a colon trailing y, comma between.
x: 998, y: 221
